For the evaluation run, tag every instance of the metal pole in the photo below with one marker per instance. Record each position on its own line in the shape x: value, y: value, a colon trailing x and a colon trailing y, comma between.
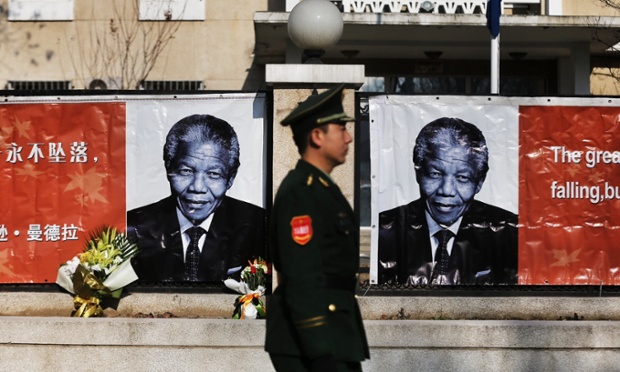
x: 495, y: 65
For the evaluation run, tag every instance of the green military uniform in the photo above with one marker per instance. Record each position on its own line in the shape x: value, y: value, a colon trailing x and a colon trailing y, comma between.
x: 314, y: 246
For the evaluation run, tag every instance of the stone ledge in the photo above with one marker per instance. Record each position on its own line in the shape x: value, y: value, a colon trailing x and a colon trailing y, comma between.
x: 306, y: 74
x: 220, y: 305
x: 492, y: 308
x: 179, y: 304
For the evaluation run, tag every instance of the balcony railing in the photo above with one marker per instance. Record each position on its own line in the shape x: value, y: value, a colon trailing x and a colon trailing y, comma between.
x: 427, y: 6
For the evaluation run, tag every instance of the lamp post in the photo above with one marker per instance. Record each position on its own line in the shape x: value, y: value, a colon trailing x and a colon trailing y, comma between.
x: 313, y: 26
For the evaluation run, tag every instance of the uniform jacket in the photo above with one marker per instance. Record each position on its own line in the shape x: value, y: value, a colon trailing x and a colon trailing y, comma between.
x: 308, y: 315
x: 236, y: 235
x: 484, y: 250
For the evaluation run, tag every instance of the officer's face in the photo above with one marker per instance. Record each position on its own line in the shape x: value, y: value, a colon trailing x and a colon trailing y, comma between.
x: 199, y: 178
x: 448, y: 181
x: 335, y: 143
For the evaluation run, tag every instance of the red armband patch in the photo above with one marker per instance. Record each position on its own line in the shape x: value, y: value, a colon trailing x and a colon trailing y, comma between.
x: 301, y: 229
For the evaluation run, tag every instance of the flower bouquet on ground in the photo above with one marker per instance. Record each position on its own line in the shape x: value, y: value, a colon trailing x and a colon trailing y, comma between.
x: 99, y: 272
x: 250, y: 304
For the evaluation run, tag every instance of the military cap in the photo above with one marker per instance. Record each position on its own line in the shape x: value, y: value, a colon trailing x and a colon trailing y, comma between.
x: 317, y: 110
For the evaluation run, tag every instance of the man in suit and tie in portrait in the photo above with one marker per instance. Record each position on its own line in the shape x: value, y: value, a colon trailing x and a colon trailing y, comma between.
x: 198, y: 233
x: 446, y: 236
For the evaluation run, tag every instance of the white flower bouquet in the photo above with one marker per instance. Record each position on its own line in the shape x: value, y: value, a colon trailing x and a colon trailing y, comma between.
x: 102, y: 270
x: 250, y: 304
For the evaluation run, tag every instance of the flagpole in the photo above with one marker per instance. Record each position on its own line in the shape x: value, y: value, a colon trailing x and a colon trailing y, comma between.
x: 495, y: 65
x: 494, y: 12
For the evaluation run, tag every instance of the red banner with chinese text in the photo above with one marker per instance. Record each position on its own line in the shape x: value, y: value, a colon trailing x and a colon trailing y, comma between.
x: 62, y: 174
x: 569, y: 195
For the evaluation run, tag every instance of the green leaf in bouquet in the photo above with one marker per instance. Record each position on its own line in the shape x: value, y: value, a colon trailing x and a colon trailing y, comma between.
x: 109, y: 237
x: 261, y: 310
x: 117, y: 293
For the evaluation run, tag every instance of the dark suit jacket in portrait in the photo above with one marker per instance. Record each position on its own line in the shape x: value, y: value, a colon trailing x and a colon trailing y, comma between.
x: 485, y: 248
x: 236, y: 235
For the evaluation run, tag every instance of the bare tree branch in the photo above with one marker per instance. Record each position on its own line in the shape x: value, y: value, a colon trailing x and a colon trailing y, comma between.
x: 614, y: 4
x: 125, y: 50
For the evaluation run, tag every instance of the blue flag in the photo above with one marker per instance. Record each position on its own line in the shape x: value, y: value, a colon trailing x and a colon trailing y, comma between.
x: 494, y: 11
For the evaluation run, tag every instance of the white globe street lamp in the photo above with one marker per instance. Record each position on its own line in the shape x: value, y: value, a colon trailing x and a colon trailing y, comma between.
x: 315, y: 25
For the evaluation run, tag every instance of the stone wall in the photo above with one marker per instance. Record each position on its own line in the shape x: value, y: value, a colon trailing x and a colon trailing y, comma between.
x: 67, y: 344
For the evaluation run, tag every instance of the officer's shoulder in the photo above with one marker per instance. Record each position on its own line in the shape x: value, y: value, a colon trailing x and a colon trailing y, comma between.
x: 305, y: 179
x: 301, y: 184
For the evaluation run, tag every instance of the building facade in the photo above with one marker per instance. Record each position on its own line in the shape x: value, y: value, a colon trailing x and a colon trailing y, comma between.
x: 547, y: 47
x: 73, y: 44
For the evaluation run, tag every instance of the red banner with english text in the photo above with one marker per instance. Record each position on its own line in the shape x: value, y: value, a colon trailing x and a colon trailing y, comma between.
x: 569, y: 195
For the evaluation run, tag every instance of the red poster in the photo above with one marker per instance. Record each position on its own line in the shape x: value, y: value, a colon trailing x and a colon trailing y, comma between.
x: 569, y: 195
x: 62, y: 174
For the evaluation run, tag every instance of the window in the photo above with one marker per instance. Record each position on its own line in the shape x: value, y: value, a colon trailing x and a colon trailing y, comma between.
x: 172, y: 85
x: 40, y: 10
x: 430, y: 85
x: 373, y: 84
x: 511, y: 86
x: 38, y: 85
x: 176, y: 10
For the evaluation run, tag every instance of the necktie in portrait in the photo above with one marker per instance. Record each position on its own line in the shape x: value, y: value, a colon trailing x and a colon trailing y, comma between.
x: 192, y: 256
x: 442, y: 257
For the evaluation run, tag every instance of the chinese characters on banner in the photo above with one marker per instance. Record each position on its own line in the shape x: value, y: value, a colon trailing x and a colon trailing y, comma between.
x: 62, y: 174
x: 557, y: 167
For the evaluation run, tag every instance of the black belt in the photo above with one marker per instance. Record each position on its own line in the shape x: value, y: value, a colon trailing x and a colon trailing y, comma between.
x: 341, y: 282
